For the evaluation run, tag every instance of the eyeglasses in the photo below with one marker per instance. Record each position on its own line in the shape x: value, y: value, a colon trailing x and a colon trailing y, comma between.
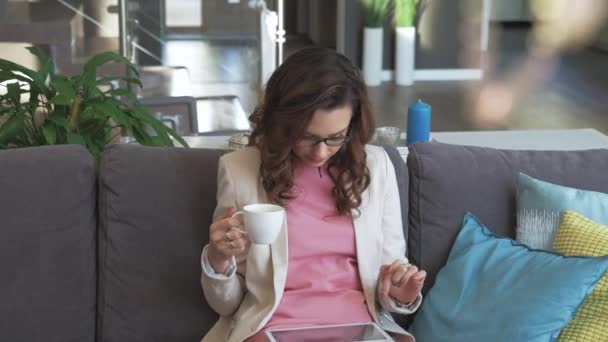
x: 314, y: 141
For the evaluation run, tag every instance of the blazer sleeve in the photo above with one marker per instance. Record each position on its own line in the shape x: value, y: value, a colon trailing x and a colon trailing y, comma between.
x: 393, y: 246
x: 224, y: 294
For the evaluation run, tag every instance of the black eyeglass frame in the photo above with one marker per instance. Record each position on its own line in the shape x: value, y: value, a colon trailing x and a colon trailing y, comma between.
x: 314, y: 141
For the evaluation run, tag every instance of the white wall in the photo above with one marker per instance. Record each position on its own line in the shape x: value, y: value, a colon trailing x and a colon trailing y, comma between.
x: 16, y: 52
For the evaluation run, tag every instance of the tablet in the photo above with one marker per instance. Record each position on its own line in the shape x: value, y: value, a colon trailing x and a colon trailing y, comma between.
x: 359, y: 332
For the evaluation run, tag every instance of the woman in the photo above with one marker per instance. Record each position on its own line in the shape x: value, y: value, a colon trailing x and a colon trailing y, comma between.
x: 340, y: 255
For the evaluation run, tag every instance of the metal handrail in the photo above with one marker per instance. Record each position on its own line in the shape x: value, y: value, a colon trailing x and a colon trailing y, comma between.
x: 122, y: 25
x: 84, y: 15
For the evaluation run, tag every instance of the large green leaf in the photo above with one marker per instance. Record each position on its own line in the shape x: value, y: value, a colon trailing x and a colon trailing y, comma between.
x: 111, y: 110
x: 92, y: 125
x: 65, y: 88
x: 75, y: 138
x: 89, y: 75
x: 50, y: 134
x: 5, y: 109
x: 61, y: 99
x: 64, y: 85
x: 8, y: 66
x: 13, y: 90
x: 7, y: 75
x: 121, y: 92
x: 60, y: 121
x: 36, y: 79
x: 178, y: 138
x: 46, y: 63
x: 140, y: 135
x: 157, y: 126
x: 34, y: 102
x: 106, y: 57
x: 11, y: 128
x: 160, y: 128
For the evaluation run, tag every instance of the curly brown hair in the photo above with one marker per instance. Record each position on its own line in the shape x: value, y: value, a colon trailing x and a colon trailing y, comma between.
x: 309, y: 80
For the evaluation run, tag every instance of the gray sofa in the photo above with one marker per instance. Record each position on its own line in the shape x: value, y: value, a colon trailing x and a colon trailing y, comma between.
x: 114, y: 256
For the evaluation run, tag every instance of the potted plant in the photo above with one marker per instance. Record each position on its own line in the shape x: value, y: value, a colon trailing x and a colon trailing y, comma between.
x: 40, y: 107
x: 375, y: 14
x: 404, y: 13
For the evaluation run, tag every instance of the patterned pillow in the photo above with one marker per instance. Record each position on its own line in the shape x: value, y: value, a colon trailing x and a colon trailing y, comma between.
x: 578, y: 235
x: 540, y: 205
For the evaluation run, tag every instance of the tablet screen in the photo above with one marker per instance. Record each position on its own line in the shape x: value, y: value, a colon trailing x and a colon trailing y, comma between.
x: 363, y: 332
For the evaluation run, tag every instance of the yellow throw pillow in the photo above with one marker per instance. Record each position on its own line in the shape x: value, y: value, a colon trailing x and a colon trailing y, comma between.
x: 578, y: 235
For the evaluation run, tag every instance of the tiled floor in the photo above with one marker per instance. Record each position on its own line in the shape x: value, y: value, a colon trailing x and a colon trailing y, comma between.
x: 575, y: 96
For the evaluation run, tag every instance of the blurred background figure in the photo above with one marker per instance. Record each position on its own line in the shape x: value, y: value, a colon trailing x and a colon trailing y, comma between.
x: 514, y: 96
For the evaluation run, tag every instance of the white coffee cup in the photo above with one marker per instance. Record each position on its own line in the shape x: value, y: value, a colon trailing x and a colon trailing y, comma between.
x: 262, y: 222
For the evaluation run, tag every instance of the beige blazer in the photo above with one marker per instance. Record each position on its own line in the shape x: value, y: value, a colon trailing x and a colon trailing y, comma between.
x: 246, y: 301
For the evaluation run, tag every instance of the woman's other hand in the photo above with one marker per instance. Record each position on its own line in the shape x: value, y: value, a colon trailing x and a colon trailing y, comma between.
x: 400, y: 281
x: 225, y: 242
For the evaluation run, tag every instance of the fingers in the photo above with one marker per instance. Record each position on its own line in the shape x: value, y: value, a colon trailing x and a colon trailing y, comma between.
x: 401, y: 273
x: 226, y: 222
x: 398, y: 274
x: 233, y: 234
x: 239, y: 240
x: 385, y: 277
x: 229, y: 247
x: 410, y: 271
x: 419, y: 277
x: 224, y: 238
x: 229, y: 213
x: 400, y: 281
x: 238, y: 245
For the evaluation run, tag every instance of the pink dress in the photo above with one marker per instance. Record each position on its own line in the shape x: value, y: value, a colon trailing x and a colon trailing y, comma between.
x: 323, y: 284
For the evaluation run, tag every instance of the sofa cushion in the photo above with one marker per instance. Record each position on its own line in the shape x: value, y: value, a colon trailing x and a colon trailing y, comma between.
x: 156, y: 205
x: 578, y: 235
x: 540, y: 205
x: 495, y: 289
x: 448, y: 180
x: 47, y: 244
x: 402, y: 184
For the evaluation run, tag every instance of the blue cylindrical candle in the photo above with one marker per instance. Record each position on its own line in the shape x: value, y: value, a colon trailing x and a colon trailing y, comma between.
x: 418, y: 122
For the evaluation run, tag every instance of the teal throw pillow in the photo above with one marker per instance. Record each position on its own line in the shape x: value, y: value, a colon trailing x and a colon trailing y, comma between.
x: 496, y: 289
x: 540, y: 204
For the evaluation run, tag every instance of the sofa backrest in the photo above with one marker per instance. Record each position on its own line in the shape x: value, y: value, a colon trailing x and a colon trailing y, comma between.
x: 155, y: 207
x: 47, y: 244
x: 448, y: 180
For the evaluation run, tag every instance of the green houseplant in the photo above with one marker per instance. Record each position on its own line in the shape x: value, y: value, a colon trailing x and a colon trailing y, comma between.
x: 405, y: 15
x: 375, y: 12
x: 40, y: 107
x: 404, y: 12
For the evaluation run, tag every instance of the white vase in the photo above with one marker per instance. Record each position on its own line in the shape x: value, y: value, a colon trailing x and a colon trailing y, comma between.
x: 405, y: 41
x: 372, y: 55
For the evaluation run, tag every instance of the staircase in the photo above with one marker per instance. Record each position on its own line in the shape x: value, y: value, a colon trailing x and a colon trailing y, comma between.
x: 49, y: 24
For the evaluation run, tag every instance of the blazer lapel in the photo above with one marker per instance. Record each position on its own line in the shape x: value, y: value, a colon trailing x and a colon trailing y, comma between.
x: 366, y: 254
x: 278, y: 251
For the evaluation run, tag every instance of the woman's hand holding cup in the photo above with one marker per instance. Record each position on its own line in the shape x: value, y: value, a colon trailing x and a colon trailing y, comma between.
x: 225, y: 241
